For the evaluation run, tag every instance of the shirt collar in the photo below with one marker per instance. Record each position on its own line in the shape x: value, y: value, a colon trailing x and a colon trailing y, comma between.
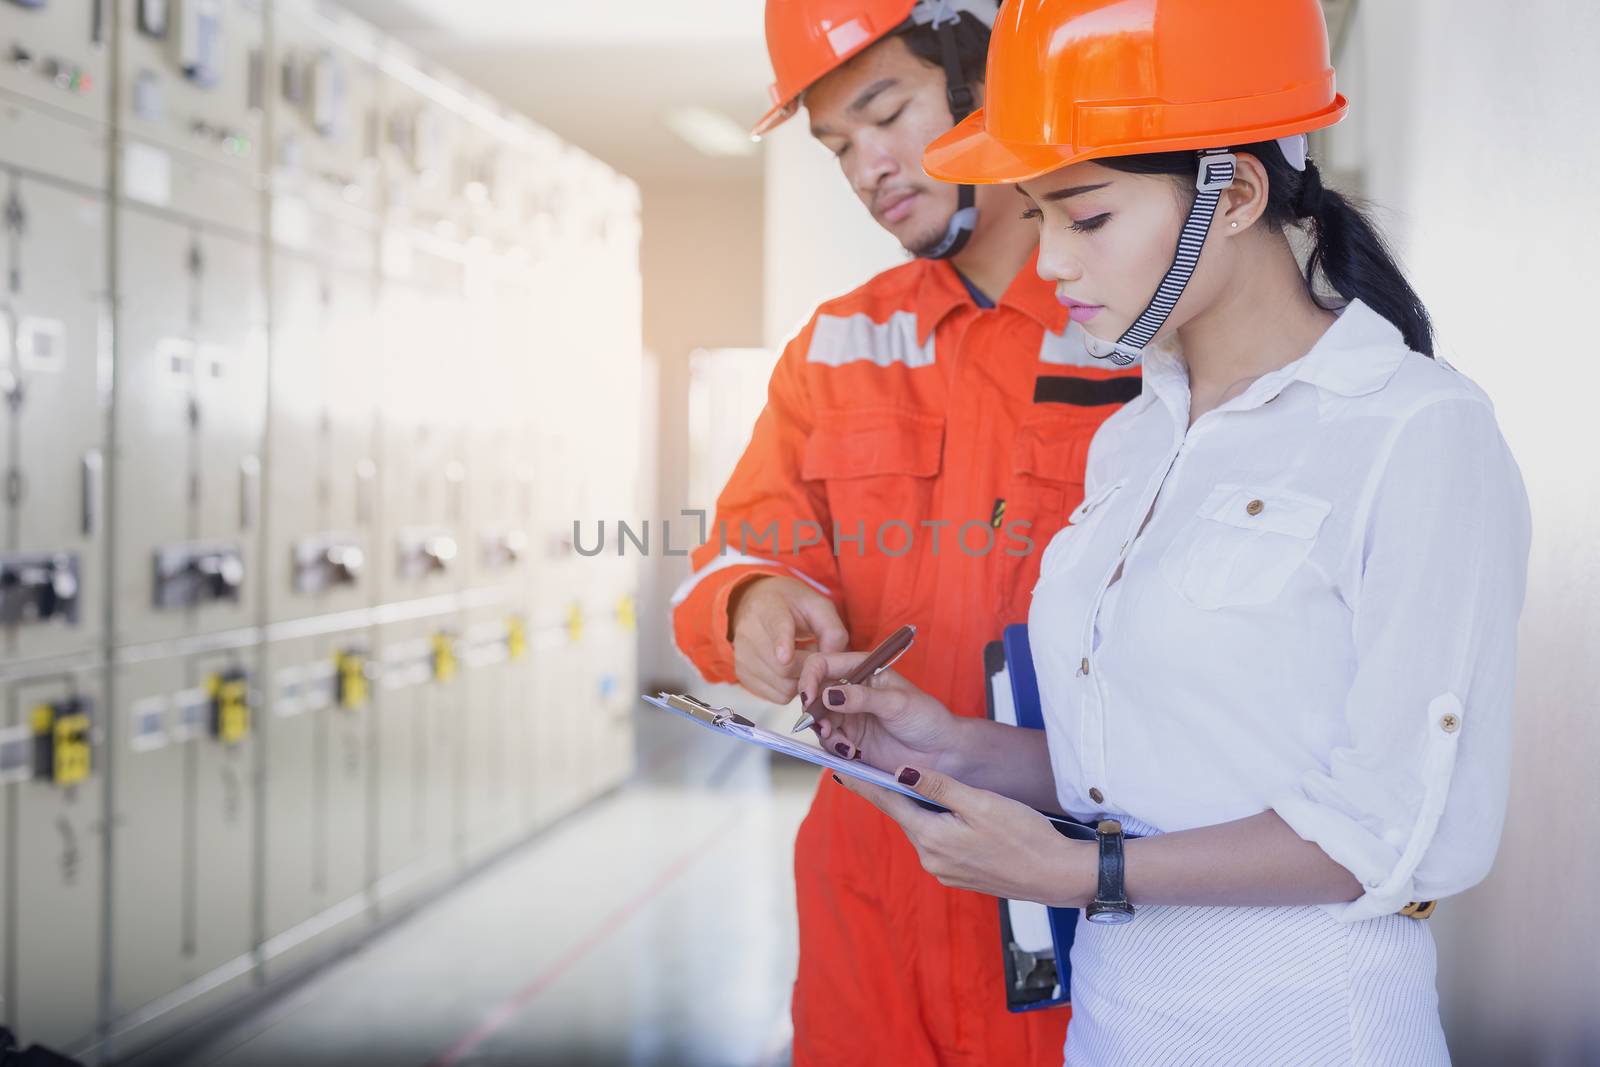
x: 1357, y: 355
x: 940, y: 292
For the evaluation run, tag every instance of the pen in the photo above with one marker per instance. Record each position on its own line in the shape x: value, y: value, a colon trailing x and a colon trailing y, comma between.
x: 879, y: 659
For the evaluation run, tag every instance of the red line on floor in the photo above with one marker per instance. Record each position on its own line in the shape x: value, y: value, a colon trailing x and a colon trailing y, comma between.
x: 509, y: 1008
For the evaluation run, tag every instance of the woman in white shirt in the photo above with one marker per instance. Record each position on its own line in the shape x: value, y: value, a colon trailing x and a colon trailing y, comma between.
x: 1277, y: 640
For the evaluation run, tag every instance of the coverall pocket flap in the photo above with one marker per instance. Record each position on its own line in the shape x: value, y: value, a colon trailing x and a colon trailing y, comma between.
x: 859, y: 444
x: 1054, y: 451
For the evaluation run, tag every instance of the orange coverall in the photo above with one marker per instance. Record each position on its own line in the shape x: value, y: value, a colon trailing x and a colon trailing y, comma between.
x: 900, y: 406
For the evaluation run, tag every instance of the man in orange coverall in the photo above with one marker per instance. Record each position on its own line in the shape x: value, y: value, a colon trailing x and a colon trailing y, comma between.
x: 923, y: 439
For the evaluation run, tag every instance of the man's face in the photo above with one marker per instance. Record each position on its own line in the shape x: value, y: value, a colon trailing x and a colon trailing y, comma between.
x: 876, y: 114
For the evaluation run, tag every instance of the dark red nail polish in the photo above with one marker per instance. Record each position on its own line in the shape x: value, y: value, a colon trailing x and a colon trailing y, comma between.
x: 843, y: 749
x: 910, y: 776
x: 835, y: 697
x: 804, y: 699
x: 836, y: 778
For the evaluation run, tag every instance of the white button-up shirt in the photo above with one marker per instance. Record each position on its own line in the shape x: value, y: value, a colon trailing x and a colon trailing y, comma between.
x: 1320, y: 617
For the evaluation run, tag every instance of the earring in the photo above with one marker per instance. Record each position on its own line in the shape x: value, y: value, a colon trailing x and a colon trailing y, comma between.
x: 1233, y: 225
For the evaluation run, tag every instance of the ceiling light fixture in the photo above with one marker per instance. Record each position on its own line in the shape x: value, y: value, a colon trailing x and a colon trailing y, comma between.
x: 711, y: 133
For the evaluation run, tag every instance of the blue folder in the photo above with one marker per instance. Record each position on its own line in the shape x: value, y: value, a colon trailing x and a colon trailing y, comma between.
x: 1035, y: 979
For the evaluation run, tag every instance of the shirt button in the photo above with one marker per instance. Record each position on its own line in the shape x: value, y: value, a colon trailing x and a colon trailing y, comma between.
x: 1083, y: 668
x: 1450, y: 723
x: 1097, y: 796
x: 1255, y: 507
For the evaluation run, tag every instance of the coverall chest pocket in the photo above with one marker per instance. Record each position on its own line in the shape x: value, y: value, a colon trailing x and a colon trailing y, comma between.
x: 1045, y: 485
x: 878, y: 469
x: 1243, y: 545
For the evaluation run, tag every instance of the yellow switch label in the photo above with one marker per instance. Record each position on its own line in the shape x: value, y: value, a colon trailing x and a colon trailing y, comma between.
x: 63, y: 751
x: 627, y: 617
x: 516, y: 637
x: 72, y: 755
x: 351, y: 674
x: 575, y: 622
x: 230, y: 707
x: 444, y: 658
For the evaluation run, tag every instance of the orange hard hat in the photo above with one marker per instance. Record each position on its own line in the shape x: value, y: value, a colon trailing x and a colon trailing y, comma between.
x: 1073, y: 80
x: 809, y: 39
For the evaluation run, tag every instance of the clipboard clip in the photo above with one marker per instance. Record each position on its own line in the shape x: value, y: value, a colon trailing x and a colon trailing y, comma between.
x: 696, y: 708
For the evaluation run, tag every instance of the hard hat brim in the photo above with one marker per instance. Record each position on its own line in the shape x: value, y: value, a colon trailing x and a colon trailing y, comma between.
x: 970, y: 155
x: 776, y: 116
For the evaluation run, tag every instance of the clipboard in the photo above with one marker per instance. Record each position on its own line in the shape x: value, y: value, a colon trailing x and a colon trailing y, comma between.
x: 731, y: 724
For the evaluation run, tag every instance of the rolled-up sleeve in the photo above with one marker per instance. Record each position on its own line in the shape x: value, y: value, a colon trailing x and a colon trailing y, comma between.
x: 1412, y: 797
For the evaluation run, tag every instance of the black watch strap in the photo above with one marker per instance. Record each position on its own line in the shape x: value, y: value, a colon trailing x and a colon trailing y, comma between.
x: 1111, y: 897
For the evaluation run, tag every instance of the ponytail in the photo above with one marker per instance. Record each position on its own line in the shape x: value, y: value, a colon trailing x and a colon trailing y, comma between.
x: 1347, y: 250
x: 1355, y: 259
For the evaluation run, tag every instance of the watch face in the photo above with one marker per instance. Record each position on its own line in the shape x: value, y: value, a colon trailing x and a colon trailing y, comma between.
x: 1109, y: 915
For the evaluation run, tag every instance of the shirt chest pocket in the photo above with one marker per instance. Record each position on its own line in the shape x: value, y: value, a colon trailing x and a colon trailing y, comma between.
x: 1067, y: 548
x: 1243, y: 545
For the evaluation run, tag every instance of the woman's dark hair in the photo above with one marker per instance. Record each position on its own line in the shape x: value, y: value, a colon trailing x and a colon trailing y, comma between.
x: 972, y: 46
x: 1347, y: 248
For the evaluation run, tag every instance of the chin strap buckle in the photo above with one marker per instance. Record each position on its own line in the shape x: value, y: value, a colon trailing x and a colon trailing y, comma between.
x: 938, y: 13
x: 962, y: 101
x: 1216, y: 171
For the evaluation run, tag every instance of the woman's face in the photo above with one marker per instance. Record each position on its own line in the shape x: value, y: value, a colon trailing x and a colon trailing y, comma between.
x: 1107, y: 238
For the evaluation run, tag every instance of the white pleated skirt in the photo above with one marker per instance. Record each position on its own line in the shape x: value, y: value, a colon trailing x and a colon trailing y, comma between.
x: 1275, y: 987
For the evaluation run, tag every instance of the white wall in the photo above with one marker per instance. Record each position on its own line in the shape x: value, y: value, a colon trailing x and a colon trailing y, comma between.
x: 702, y: 264
x: 1476, y: 126
x: 820, y: 241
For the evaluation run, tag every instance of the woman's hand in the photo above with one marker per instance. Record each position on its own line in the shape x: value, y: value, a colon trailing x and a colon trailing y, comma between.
x: 986, y: 842
x: 888, y: 722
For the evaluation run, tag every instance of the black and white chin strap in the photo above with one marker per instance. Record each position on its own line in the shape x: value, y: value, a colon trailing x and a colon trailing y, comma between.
x: 943, y: 16
x: 1215, y: 174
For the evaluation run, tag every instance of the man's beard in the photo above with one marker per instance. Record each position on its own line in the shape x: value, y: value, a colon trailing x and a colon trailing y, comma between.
x: 927, y: 243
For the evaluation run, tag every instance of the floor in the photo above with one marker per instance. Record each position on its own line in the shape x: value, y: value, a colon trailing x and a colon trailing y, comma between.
x: 653, y: 929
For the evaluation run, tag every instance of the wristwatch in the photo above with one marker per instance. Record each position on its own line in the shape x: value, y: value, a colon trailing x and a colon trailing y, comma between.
x: 1110, y: 905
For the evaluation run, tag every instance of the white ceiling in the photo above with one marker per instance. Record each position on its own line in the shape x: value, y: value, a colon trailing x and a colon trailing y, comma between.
x: 602, y: 73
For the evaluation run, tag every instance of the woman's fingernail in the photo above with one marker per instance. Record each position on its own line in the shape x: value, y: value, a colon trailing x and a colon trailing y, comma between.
x: 836, y: 778
x: 835, y: 698
x: 804, y: 699
x: 910, y: 776
x: 843, y: 749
